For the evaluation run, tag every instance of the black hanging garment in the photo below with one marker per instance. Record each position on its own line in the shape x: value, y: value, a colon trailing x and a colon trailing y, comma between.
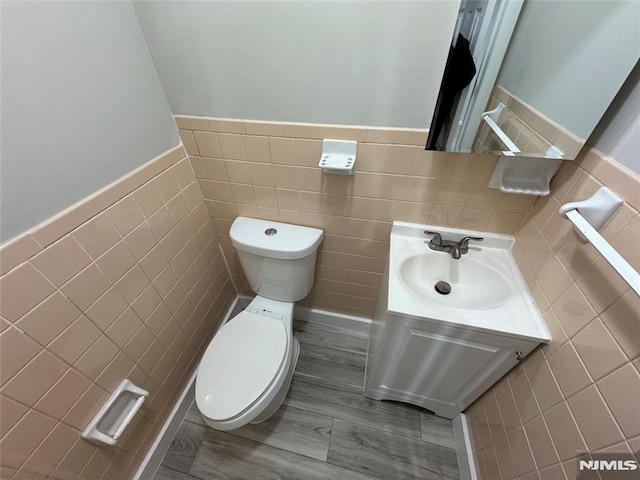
x: 458, y: 73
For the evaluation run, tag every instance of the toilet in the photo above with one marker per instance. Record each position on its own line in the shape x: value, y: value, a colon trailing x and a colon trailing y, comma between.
x: 247, y: 368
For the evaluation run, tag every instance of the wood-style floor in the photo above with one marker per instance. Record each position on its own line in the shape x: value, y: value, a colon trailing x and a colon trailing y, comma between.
x: 326, y: 428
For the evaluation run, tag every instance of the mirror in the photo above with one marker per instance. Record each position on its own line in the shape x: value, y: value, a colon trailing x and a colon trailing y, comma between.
x: 545, y: 72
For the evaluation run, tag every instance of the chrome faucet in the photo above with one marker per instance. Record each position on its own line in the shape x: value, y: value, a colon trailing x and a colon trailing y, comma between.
x: 456, y: 249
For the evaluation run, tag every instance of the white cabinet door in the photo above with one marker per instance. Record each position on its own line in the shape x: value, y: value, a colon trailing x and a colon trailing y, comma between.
x: 439, y: 367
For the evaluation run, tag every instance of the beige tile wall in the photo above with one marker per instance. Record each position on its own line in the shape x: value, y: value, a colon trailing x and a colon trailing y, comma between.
x: 270, y: 170
x: 582, y: 391
x: 129, y: 283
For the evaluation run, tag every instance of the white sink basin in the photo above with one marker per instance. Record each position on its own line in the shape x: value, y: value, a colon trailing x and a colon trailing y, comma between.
x: 487, y: 290
x: 474, y: 284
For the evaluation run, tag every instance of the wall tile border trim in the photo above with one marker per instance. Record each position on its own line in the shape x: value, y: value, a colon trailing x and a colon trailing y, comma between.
x: 20, y: 249
x: 317, y: 131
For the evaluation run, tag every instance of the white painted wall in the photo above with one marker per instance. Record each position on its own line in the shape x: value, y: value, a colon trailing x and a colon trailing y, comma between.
x: 81, y: 106
x: 362, y: 63
x: 569, y: 58
x: 618, y: 134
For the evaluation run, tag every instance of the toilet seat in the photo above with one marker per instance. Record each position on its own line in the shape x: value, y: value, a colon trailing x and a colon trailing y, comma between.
x: 240, y: 364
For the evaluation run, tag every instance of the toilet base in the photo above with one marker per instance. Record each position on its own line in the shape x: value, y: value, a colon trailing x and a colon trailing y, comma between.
x: 282, y: 394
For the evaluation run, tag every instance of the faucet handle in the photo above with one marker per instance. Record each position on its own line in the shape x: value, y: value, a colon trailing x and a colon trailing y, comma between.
x: 464, y: 241
x: 437, y: 238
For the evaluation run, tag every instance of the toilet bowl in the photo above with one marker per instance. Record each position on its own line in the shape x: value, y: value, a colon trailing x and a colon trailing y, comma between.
x: 247, y: 368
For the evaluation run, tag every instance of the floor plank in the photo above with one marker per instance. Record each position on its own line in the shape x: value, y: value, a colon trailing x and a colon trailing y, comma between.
x: 386, y: 455
x: 184, y: 447
x: 292, y: 429
x: 332, y: 337
x: 326, y: 428
x: 165, y: 473
x: 437, y: 430
x: 193, y: 415
x: 328, y: 366
x: 227, y: 457
x: 353, y: 406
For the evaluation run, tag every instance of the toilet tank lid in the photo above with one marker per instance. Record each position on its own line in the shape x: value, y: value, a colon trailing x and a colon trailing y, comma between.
x: 274, y: 239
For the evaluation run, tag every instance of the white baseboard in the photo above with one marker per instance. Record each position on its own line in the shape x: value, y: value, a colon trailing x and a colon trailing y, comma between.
x: 242, y: 302
x: 351, y: 322
x: 466, y: 465
x: 152, y: 461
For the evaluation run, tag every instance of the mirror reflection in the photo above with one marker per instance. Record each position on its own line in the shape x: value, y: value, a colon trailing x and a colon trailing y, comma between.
x: 532, y: 78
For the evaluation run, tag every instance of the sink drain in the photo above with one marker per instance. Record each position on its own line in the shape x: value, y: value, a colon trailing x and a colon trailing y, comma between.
x: 443, y: 288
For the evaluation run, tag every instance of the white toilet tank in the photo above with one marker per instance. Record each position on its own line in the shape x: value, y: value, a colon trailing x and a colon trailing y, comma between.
x: 278, y: 259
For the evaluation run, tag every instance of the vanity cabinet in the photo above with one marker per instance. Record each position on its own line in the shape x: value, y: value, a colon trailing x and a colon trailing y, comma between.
x: 442, y: 350
x: 438, y: 366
